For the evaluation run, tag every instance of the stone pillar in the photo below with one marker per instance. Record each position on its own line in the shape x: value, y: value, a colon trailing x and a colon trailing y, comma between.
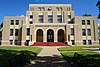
x: 55, y: 38
x: 45, y: 37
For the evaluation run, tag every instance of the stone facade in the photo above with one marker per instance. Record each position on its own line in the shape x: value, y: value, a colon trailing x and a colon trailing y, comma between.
x: 50, y: 23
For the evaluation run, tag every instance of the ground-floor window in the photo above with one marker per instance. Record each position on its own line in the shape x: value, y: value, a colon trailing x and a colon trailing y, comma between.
x: 89, y: 42
x: 73, y: 42
x: 84, y: 42
x: 61, y: 37
x: 11, y: 42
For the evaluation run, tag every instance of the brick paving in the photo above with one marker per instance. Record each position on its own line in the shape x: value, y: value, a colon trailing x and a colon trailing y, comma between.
x: 49, y: 57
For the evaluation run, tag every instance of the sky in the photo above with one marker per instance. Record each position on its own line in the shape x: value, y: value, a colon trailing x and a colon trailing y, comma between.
x: 19, y: 7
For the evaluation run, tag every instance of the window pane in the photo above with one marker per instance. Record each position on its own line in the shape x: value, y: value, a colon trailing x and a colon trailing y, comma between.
x: 88, y: 22
x: 72, y: 31
x: 83, y: 22
x: 89, y: 42
x: 41, y: 18
x: 69, y: 16
x: 11, y: 32
x: 83, y: 32
x: 17, y: 22
x: 31, y: 16
x: 59, y: 18
x: 16, y: 32
x: 31, y: 22
x: 84, y: 42
x: 12, y: 22
x: 11, y: 42
x: 28, y: 31
x: 89, y: 32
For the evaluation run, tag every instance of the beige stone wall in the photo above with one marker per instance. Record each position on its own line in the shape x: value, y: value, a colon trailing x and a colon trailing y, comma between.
x: 50, y: 9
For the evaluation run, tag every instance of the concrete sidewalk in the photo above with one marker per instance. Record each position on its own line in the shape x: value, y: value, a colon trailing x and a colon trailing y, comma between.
x: 49, y: 57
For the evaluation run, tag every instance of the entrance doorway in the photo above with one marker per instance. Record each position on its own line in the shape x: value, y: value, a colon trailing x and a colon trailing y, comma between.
x: 39, y: 36
x: 50, y: 35
x: 61, y: 35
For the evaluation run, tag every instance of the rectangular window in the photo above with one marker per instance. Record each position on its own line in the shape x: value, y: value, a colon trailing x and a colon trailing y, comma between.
x: 16, y: 42
x: 69, y: 16
x: 59, y: 18
x: 83, y: 32
x: 68, y: 37
x: 31, y: 16
x: 73, y: 42
x: 88, y: 22
x: 72, y: 31
x: 28, y: 31
x: 17, y: 22
x: 89, y: 32
x: 50, y: 18
x: 16, y: 32
x: 12, y: 22
x: 84, y: 42
x: 83, y: 22
x: 11, y: 42
x: 89, y: 42
x: 11, y: 32
x: 31, y: 22
x: 41, y: 18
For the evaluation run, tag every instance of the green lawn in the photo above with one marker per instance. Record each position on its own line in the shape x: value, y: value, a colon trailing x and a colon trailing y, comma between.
x: 68, y: 53
x: 11, y: 51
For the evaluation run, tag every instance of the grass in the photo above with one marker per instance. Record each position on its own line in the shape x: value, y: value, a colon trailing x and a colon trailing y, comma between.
x: 11, y: 51
x: 68, y: 53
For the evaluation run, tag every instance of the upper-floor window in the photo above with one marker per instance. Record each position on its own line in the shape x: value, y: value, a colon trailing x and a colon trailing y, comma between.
x: 88, y: 22
x: 31, y: 22
x: 50, y: 18
x: 17, y: 22
x: 83, y: 22
x: 31, y: 16
x: 69, y: 16
x: 41, y: 18
x: 49, y: 9
x: 12, y: 22
x: 16, y: 32
x: 59, y: 18
x: 28, y: 31
x: 72, y: 31
x: 11, y: 32
x: 89, y: 32
x: 83, y: 32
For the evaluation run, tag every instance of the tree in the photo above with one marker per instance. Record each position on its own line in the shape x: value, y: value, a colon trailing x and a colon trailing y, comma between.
x: 98, y: 5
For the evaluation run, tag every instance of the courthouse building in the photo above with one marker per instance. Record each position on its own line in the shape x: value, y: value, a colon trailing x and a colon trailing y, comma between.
x: 50, y: 23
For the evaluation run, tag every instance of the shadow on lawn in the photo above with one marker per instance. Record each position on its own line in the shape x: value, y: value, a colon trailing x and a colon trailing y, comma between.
x: 6, y: 55
x: 93, y: 60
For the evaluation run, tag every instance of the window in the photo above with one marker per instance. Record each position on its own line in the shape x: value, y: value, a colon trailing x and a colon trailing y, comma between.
x: 83, y: 22
x: 84, y: 42
x: 16, y: 42
x: 11, y: 42
x: 17, y: 22
x: 83, y: 32
x: 59, y: 18
x: 12, y: 22
x: 31, y: 16
x: 41, y: 18
x: 11, y: 32
x: 49, y: 9
x: 28, y: 31
x: 88, y: 22
x: 89, y: 42
x: 50, y: 18
x: 89, y: 32
x: 16, y: 32
x: 31, y: 22
x: 68, y: 37
x: 73, y: 42
x: 69, y: 16
x: 72, y: 31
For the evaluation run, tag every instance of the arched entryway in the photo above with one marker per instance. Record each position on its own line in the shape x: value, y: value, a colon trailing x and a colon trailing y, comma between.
x: 39, y: 35
x: 61, y: 35
x: 50, y: 35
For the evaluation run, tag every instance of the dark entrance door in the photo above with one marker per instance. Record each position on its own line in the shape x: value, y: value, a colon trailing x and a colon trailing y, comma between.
x: 50, y: 36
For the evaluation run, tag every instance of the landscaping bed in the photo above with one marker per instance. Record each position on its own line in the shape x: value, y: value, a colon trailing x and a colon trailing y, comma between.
x: 13, y: 52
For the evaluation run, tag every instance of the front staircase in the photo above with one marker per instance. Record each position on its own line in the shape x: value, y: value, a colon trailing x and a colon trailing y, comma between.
x: 49, y: 44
